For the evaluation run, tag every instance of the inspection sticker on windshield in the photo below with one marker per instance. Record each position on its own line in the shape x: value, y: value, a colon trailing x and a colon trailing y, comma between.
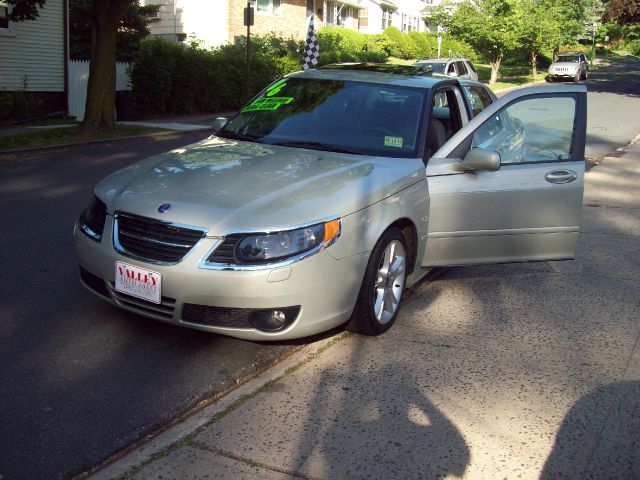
x: 138, y: 282
x: 393, y: 142
x: 264, y: 103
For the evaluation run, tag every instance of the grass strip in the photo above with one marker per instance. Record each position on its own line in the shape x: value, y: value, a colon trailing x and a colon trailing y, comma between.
x: 60, y: 136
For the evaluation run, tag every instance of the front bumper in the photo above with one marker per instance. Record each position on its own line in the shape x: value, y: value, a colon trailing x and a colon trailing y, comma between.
x: 325, y: 288
x: 562, y: 74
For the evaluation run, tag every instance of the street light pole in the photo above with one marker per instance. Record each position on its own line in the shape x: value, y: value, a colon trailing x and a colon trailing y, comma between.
x: 593, y: 42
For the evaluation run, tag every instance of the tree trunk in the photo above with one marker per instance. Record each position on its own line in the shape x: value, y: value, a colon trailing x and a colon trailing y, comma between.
x: 534, y: 64
x: 99, y: 112
x: 495, y: 66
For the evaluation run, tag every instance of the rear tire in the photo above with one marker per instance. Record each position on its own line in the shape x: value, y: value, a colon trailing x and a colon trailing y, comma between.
x: 381, y: 292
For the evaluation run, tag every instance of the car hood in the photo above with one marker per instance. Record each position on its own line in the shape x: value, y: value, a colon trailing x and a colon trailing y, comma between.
x: 228, y: 186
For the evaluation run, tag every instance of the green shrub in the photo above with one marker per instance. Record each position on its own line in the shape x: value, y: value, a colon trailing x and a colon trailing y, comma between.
x: 633, y: 47
x: 402, y: 45
x: 20, y: 105
x: 455, y: 48
x: 173, y: 78
x: 344, y: 45
x: 426, y: 45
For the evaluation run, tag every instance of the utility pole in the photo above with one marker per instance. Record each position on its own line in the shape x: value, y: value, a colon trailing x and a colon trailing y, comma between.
x: 248, y: 21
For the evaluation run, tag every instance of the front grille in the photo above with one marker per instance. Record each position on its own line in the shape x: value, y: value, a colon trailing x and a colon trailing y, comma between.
x: 164, y: 309
x: 217, y: 316
x: 94, y: 282
x: 149, y: 239
x: 225, y: 253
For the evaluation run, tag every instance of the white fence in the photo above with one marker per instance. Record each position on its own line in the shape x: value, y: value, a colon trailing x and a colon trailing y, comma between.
x: 78, y: 79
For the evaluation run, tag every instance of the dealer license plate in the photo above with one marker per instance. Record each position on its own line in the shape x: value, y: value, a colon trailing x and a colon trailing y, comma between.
x: 138, y: 282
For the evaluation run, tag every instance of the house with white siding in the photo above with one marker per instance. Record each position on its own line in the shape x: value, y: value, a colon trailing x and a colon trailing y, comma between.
x: 33, y: 54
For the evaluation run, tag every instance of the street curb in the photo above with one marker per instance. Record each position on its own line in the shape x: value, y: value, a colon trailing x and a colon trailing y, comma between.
x: 106, y: 140
x: 530, y: 84
x: 154, y: 444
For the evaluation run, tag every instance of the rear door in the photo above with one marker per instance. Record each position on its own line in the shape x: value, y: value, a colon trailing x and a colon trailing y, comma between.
x: 529, y: 207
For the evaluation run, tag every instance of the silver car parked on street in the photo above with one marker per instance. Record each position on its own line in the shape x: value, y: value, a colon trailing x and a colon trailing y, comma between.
x: 332, y: 192
x: 569, y: 66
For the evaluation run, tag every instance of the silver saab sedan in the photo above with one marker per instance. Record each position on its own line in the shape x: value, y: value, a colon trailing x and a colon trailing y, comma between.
x: 331, y: 193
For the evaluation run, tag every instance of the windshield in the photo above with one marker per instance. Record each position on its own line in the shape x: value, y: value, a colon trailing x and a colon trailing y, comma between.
x: 437, y: 67
x: 567, y: 58
x: 334, y: 115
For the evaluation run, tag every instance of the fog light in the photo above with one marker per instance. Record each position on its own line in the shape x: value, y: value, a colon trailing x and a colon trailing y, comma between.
x: 274, y: 320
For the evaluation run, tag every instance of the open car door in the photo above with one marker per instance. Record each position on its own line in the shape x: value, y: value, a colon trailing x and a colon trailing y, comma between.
x: 508, y: 186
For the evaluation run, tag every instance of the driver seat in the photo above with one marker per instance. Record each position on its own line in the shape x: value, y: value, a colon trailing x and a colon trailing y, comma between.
x: 436, y: 136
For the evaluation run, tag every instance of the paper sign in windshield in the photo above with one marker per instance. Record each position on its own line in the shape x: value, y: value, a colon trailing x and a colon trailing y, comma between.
x: 393, y: 142
x: 267, y: 104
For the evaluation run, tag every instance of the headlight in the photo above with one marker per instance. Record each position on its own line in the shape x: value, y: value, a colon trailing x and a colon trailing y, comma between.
x: 267, y: 248
x: 92, y: 220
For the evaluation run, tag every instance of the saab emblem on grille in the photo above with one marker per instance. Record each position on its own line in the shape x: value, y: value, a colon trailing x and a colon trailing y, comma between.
x: 164, y: 207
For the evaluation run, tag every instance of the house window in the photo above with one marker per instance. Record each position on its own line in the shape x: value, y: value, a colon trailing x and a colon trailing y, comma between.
x: 4, y: 15
x: 409, y: 23
x: 386, y: 17
x: 268, y: 6
x: 331, y: 17
x: 344, y: 14
x: 363, y: 18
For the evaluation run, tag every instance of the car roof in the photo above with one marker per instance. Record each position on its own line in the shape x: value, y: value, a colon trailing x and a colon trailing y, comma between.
x: 442, y: 60
x: 401, y: 75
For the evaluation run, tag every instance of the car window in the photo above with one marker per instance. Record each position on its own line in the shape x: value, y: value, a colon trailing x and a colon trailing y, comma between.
x: 342, y: 116
x: 478, y: 98
x: 462, y: 70
x: 470, y: 64
x: 437, y: 67
x: 567, y: 58
x: 537, y: 129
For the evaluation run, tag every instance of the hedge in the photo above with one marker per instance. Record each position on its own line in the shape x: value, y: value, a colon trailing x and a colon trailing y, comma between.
x: 172, y: 78
x: 339, y: 44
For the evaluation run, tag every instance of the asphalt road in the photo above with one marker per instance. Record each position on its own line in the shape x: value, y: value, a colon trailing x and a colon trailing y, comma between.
x: 82, y: 379
x: 613, y: 105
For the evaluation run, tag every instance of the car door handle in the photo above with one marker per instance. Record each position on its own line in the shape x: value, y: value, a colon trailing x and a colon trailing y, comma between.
x: 561, y: 176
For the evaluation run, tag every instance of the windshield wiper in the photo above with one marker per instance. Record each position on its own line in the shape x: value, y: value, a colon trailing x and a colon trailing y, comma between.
x: 318, y: 146
x: 238, y: 136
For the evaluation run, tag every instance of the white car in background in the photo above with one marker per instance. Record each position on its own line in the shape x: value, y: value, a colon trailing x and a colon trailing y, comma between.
x: 569, y: 66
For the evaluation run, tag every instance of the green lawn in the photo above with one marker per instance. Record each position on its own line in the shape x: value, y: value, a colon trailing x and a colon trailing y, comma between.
x: 58, y: 136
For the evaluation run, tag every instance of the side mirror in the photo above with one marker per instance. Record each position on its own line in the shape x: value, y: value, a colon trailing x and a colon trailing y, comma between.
x: 481, y: 159
x: 219, y: 123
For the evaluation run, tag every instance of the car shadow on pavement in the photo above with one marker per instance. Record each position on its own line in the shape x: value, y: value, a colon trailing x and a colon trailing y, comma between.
x: 616, y: 451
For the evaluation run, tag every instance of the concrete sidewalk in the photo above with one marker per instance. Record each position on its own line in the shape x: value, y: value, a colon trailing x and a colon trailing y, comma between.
x: 511, y: 371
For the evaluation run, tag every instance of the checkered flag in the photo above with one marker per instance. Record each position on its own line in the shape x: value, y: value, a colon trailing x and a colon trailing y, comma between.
x: 311, y: 48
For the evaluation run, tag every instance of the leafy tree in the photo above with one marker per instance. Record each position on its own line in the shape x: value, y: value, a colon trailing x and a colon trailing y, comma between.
x: 106, y: 18
x: 623, y: 12
x: 538, y: 29
x: 488, y: 26
x: 134, y: 26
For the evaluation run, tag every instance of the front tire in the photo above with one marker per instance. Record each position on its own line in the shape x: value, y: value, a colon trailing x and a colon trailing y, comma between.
x: 576, y: 77
x: 381, y: 292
